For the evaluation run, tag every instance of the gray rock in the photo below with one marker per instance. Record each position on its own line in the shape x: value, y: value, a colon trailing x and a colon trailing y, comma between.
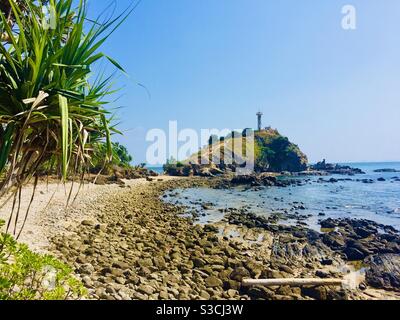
x: 384, y: 272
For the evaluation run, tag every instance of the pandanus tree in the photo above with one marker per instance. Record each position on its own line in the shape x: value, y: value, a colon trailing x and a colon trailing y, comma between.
x: 51, y: 110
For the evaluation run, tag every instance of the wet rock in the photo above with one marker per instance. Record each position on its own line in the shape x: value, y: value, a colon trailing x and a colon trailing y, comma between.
x: 388, y: 170
x: 322, y: 274
x: 367, y: 181
x: 326, y: 262
x: 333, y: 240
x: 363, y: 232
x: 211, y: 228
x: 354, y: 254
x: 384, y: 272
x: 328, y: 224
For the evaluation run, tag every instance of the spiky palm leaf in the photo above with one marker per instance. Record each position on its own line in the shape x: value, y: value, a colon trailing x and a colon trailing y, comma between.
x: 49, y: 109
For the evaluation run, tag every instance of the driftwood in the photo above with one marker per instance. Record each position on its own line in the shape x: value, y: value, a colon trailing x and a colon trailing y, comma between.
x: 293, y: 282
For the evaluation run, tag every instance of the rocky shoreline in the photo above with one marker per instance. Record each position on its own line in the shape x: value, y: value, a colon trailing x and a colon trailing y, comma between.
x: 138, y: 247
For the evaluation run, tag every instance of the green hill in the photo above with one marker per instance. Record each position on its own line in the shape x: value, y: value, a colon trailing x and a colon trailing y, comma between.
x: 272, y: 152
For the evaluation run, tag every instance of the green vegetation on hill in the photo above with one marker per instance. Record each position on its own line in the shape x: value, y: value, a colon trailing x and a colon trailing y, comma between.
x: 274, y: 152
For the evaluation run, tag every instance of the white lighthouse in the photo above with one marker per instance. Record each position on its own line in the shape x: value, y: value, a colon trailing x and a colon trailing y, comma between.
x: 259, y: 120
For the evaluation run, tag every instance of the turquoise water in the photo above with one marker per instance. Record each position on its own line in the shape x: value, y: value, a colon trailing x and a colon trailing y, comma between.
x: 379, y: 201
x: 159, y: 170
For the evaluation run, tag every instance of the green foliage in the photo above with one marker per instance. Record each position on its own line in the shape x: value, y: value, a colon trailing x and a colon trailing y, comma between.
x: 121, y: 153
x: 172, y: 165
x: 274, y: 152
x: 25, y: 275
x: 120, y: 156
x: 50, y: 108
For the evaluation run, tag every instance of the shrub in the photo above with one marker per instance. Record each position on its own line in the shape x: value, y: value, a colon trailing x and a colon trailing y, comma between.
x: 25, y: 275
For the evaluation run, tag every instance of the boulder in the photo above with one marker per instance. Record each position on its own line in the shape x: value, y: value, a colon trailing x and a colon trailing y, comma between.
x: 384, y: 272
x: 328, y: 224
x: 354, y: 254
x: 260, y: 292
x: 317, y: 293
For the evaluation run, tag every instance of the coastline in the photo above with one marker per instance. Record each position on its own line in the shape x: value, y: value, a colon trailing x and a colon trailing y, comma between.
x: 126, y: 243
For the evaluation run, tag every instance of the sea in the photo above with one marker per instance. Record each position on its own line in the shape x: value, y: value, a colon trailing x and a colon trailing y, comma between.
x: 378, y: 201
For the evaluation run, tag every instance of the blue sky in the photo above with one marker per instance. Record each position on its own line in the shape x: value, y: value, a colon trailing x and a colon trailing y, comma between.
x: 215, y: 63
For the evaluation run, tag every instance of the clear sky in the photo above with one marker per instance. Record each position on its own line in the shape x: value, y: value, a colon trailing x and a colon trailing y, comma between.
x: 215, y: 63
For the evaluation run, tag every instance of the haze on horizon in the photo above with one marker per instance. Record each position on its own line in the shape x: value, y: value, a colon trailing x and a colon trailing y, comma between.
x: 214, y: 64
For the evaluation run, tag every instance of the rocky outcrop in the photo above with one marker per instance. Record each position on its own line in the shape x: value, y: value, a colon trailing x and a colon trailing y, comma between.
x: 384, y: 272
x: 190, y: 170
x: 275, y: 153
x: 330, y: 168
x: 272, y: 153
x: 118, y: 174
x: 375, y: 245
x: 386, y: 170
x: 264, y: 179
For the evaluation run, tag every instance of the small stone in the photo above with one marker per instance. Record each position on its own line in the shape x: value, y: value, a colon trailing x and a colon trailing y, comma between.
x: 145, y: 263
x: 159, y: 262
x: 86, y: 269
x: 232, y: 284
x: 121, y: 265
x: 326, y: 262
x: 232, y: 293
x: 213, y: 282
x: 198, y: 263
x: 239, y: 273
x: 117, y: 272
x: 321, y: 274
x: 140, y: 296
x: 261, y: 293
x: 164, y: 295
x: 88, y: 223
x: 205, y: 295
x: 146, y: 289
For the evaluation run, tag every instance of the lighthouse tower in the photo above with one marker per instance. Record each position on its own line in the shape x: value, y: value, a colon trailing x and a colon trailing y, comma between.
x: 259, y: 120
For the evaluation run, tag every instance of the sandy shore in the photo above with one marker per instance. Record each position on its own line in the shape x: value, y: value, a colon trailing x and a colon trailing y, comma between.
x: 49, y: 214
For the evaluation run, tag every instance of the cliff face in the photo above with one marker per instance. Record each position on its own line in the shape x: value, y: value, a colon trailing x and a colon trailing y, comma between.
x: 274, y: 152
